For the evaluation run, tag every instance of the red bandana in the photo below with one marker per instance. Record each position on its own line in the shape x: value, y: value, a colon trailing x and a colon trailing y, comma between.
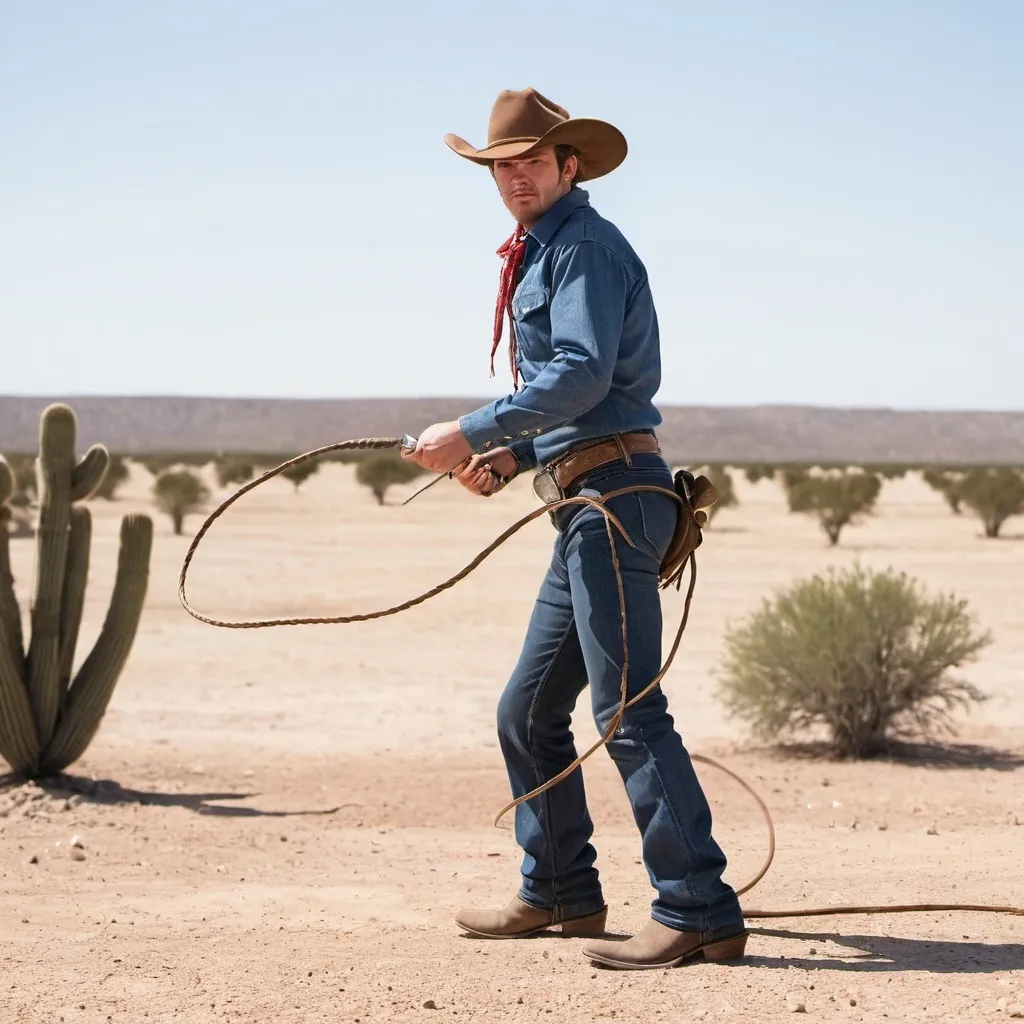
x: 511, y: 252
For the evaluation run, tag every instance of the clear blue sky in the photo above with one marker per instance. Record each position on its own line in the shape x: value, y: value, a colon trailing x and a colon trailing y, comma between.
x: 253, y: 198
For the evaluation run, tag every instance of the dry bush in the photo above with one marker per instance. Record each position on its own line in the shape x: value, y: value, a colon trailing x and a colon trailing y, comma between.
x: 947, y: 483
x: 233, y: 469
x: 835, y: 498
x: 888, y: 470
x: 117, y: 473
x: 722, y: 480
x: 300, y: 472
x: 757, y: 471
x: 866, y: 655
x: 179, y: 492
x: 993, y: 495
x: 382, y: 471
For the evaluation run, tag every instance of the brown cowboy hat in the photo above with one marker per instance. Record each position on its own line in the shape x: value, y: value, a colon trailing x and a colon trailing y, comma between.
x: 524, y: 121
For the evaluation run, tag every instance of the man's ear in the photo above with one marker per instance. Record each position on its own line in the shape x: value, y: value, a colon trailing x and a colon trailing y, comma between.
x: 570, y: 168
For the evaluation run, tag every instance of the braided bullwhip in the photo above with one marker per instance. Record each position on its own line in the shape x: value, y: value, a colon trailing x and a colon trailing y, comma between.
x: 611, y: 521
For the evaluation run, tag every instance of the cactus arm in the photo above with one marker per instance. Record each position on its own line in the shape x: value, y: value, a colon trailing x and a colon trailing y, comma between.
x: 19, y: 741
x: 56, y: 460
x: 76, y: 573
x: 89, y: 473
x: 92, y: 687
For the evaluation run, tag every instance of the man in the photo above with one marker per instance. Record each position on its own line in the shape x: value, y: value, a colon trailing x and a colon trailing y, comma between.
x: 584, y: 338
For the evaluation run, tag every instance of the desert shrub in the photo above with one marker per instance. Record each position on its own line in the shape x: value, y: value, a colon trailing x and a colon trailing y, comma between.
x: 866, y: 655
x: 722, y: 480
x: 233, y: 469
x: 758, y: 471
x: 993, y: 495
x: 23, y: 469
x: 179, y: 492
x: 382, y: 471
x: 887, y: 470
x: 947, y: 483
x: 117, y: 473
x: 300, y: 472
x: 836, y: 498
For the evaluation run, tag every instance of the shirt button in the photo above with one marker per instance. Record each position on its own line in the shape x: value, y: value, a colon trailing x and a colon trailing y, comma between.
x: 525, y: 433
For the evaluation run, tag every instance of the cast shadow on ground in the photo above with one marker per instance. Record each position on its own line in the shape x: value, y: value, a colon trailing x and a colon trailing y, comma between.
x: 918, y: 754
x: 889, y: 954
x: 107, y: 791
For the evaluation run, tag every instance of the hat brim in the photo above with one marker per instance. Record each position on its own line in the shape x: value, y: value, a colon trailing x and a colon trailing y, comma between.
x: 602, y: 146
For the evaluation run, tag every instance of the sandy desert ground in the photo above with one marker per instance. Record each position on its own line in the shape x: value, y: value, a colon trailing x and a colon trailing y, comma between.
x: 285, y: 820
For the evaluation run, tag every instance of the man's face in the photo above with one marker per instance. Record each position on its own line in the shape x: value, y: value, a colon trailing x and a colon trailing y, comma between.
x: 531, y: 186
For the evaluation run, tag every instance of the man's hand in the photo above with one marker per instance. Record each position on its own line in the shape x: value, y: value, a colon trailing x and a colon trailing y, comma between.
x: 441, y: 448
x: 481, y: 474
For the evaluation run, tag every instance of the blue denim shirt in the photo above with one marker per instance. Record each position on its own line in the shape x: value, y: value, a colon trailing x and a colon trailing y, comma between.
x: 587, y: 340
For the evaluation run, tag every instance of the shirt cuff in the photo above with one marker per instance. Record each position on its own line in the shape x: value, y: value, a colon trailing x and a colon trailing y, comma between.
x: 522, y: 448
x: 481, y: 429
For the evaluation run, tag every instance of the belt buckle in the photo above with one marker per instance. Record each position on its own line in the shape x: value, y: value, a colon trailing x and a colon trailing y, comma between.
x: 545, y: 488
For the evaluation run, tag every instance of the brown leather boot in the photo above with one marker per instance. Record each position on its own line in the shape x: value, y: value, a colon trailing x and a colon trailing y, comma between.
x: 519, y: 919
x: 657, y: 945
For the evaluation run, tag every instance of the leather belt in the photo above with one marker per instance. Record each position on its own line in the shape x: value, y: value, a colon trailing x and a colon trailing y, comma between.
x: 555, y: 479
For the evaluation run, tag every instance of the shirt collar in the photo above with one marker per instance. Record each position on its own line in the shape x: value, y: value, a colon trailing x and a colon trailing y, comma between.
x: 544, y: 230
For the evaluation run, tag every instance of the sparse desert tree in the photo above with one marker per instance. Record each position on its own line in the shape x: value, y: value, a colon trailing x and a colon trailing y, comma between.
x: 233, y: 469
x: 993, y: 495
x: 300, y: 472
x: 835, y: 498
x: 117, y: 473
x: 887, y: 470
x: 178, y: 493
x: 383, y: 471
x: 867, y: 655
x: 23, y: 471
x: 947, y: 483
x: 49, y: 712
x: 156, y: 464
x: 758, y: 471
x: 722, y: 481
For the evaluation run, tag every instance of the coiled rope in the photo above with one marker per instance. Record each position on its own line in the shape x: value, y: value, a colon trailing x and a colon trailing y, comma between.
x: 625, y: 702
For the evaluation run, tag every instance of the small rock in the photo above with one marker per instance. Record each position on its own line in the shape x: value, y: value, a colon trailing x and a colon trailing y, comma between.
x: 430, y: 1005
x: 795, y: 1003
x: 933, y: 831
x: 853, y: 1002
x: 33, y: 859
x: 77, y: 853
x: 77, y: 841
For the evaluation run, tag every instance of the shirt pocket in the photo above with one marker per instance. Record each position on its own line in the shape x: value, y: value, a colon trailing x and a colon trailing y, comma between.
x: 529, y: 303
x: 533, y: 323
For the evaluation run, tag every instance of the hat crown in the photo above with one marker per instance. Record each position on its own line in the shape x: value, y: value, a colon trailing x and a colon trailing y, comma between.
x: 523, y: 114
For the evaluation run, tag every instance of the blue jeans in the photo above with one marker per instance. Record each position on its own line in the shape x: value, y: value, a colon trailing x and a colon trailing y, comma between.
x: 575, y: 636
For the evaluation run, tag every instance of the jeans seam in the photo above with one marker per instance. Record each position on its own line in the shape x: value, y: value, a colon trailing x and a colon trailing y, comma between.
x: 530, y: 718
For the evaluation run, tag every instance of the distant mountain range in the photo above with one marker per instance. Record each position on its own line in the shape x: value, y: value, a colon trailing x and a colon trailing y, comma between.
x: 689, y: 433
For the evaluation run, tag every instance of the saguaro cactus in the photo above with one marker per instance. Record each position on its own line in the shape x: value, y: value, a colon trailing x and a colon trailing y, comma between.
x: 48, y: 718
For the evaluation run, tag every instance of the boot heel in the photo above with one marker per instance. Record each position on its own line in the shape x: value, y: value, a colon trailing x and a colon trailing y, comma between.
x: 587, y: 927
x: 727, y: 949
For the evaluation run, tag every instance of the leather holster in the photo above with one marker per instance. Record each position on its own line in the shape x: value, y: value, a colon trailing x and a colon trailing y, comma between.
x: 696, y: 494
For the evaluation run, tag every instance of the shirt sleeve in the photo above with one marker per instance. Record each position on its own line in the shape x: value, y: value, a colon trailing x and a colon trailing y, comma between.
x: 587, y: 308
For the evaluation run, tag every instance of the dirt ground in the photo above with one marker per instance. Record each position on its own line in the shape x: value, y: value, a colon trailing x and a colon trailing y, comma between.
x: 279, y: 825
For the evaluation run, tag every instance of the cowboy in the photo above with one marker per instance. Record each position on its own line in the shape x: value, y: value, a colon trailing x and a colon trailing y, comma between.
x: 584, y: 341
